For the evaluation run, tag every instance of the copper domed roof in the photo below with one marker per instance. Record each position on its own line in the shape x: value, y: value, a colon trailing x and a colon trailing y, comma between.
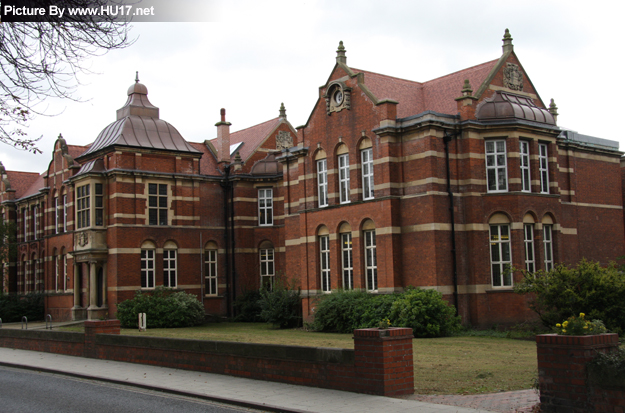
x: 504, y: 106
x: 138, y: 125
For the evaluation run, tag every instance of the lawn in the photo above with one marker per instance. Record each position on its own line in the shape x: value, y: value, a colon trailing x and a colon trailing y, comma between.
x: 449, y: 365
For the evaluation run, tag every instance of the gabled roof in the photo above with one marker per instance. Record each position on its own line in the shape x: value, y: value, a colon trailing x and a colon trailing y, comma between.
x: 252, y: 137
x: 415, y: 97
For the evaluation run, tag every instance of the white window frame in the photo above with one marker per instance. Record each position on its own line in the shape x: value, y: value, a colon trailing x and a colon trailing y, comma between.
x: 324, y: 263
x: 371, y: 260
x: 322, y: 182
x: 530, y: 252
x: 344, y: 189
x: 210, y: 272
x: 65, y: 213
x: 170, y: 268
x: 98, y: 204
x: 267, y: 267
x: 499, y: 247
x: 496, y: 165
x: 366, y: 156
x: 543, y: 167
x: 147, y: 269
x: 524, y: 158
x: 347, y: 258
x: 265, y: 207
x: 548, y: 244
x: 56, y: 273
x: 35, y: 212
x: 158, y: 203
x: 56, y: 214
x: 65, y: 276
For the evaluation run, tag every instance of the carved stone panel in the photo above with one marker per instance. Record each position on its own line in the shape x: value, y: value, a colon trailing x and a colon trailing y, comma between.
x: 284, y: 140
x: 513, y: 77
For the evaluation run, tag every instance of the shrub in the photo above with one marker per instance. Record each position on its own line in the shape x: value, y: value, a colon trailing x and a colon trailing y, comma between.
x: 164, y: 308
x: 247, y: 307
x: 567, y: 291
x: 13, y: 307
x: 424, y: 311
x: 608, y: 370
x: 281, y: 306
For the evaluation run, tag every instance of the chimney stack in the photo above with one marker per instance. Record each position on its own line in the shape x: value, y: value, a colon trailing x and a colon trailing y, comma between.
x: 223, y: 138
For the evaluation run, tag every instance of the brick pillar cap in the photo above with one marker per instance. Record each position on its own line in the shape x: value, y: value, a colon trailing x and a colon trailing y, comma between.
x: 388, y: 332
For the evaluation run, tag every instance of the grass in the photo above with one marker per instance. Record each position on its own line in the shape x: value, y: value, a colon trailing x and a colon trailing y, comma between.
x: 449, y: 365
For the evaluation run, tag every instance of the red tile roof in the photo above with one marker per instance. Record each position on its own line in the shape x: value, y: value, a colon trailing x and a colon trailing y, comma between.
x: 23, y: 181
x: 416, y: 97
x: 252, y: 137
x: 208, y: 163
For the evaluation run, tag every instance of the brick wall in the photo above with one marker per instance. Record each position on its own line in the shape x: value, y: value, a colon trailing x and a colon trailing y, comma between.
x: 563, y: 376
x: 381, y: 363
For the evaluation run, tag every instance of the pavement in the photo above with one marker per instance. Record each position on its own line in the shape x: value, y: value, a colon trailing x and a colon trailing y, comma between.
x: 263, y: 395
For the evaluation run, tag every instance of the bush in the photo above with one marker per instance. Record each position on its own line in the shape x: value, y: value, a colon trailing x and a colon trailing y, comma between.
x: 281, y: 306
x: 13, y: 307
x: 424, y: 311
x: 247, y: 307
x: 164, y: 308
x: 608, y: 370
x: 567, y: 291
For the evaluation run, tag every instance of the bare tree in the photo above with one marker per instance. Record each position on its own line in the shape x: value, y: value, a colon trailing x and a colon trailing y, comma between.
x: 42, y: 59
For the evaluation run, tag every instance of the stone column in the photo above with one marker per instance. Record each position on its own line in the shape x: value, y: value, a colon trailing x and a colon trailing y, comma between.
x: 104, y: 286
x: 76, y: 284
x: 92, y: 285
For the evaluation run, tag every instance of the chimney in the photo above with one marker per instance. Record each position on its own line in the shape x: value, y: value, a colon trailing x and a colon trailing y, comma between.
x: 223, y: 138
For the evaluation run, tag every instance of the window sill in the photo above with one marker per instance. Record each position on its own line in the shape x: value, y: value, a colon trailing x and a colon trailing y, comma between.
x: 500, y: 290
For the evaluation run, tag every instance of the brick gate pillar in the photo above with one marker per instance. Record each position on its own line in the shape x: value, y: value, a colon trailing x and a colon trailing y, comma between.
x: 383, y: 361
x: 93, y: 327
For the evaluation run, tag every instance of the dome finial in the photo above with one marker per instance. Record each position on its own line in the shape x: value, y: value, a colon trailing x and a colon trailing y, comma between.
x: 137, y: 77
x: 340, y: 54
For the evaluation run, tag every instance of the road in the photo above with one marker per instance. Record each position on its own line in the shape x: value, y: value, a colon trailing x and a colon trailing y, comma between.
x: 31, y: 391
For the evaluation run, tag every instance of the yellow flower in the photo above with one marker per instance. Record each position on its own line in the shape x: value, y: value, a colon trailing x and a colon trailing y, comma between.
x: 585, y: 327
x: 582, y: 315
x: 566, y: 323
x: 564, y: 331
x: 558, y: 325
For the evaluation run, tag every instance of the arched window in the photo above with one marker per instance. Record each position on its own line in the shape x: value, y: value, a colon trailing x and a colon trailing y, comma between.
x: 57, y: 272
x: 63, y: 269
x: 267, y: 265
x: 147, y: 264
x: 548, y: 242
x: 324, y: 258
x: 371, y: 260
x: 366, y: 159
x: 342, y: 156
x: 347, y: 257
x: 170, y: 264
x: 500, y: 255
x: 528, y: 243
x: 210, y: 268
x: 322, y: 178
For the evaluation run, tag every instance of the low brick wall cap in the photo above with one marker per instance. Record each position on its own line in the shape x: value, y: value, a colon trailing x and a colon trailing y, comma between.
x: 590, y: 340
x: 386, y: 332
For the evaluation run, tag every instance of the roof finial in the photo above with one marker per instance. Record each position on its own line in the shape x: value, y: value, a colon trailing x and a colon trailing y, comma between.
x: 137, y: 77
x: 553, y: 109
x: 507, y: 42
x: 282, y: 111
x: 466, y: 88
x: 340, y: 54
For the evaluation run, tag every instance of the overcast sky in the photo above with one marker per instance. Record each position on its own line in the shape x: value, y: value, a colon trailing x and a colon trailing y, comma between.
x: 257, y: 54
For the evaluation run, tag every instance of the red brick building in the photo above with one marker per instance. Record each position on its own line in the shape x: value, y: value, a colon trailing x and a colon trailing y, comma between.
x: 358, y: 197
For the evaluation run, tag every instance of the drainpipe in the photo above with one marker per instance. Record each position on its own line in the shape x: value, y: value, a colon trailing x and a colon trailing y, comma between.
x: 232, y: 242
x: 226, y: 185
x: 446, y: 139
